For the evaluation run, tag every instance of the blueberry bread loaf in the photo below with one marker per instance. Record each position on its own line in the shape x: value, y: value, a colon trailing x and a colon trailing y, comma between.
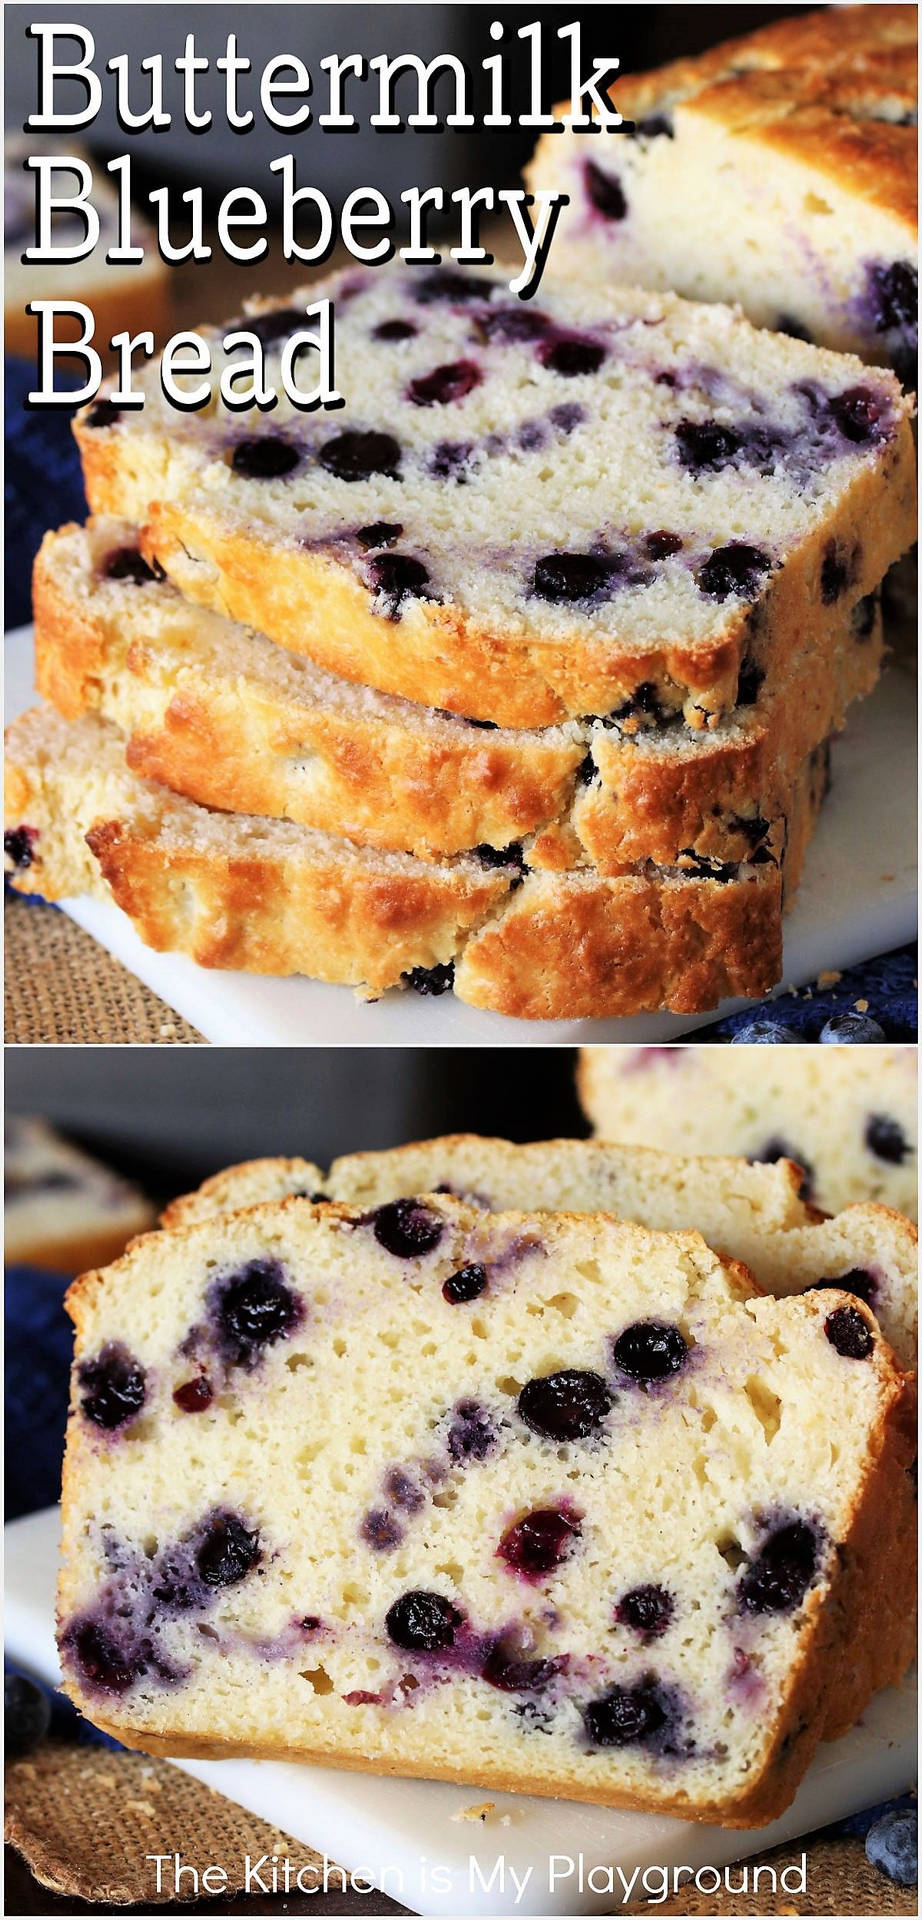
x: 227, y: 718
x: 509, y: 930
x: 749, y: 1212
x: 487, y: 1567
x: 63, y: 1210
x: 526, y: 513
x: 120, y: 297
x: 847, y: 1115
x: 777, y: 170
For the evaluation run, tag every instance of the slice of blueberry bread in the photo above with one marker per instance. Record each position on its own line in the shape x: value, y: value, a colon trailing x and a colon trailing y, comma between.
x: 267, y: 896
x: 131, y: 298
x: 778, y: 170
x: 63, y: 1210
x: 750, y: 1212
x: 524, y: 513
x: 224, y: 716
x: 847, y: 1115
x: 580, y: 1548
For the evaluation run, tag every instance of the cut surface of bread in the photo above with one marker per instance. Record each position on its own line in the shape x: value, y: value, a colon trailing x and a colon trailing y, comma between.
x: 847, y: 1115
x: 267, y: 896
x: 620, y: 505
x: 557, y: 1546
x: 62, y: 1209
x: 778, y: 170
x: 750, y: 1212
x: 225, y: 717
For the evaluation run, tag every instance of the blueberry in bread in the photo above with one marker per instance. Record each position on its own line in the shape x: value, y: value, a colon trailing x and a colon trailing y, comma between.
x: 847, y: 1115
x: 62, y: 1209
x: 445, y: 1568
x: 601, y: 517
x: 267, y: 896
x: 777, y: 170
x: 222, y: 715
x: 751, y: 1212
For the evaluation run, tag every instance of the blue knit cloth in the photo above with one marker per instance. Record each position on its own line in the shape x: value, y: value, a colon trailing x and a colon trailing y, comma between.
x: 44, y: 488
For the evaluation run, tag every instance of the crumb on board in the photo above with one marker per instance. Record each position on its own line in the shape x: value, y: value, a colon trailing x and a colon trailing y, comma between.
x: 140, y: 1806
x: 828, y: 978
x: 479, y: 1812
x: 861, y: 1006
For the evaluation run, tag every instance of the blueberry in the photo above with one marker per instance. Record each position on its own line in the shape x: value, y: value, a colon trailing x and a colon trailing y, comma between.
x: 778, y: 1578
x: 194, y: 1395
x: 569, y: 1405
x: 858, y: 413
x: 467, y: 1284
x: 763, y: 1033
x: 254, y: 1308
x: 267, y: 459
x: 892, y: 1844
x: 431, y: 981
x: 604, y: 192
x: 382, y: 533
x: 571, y: 355
x: 507, y: 1671
x: 101, y: 1662
x: 398, y: 577
x: 103, y: 413
x: 405, y: 1228
x: 539, y: 1542
x: 112, y: 1386
x: 627, y: 1716
x: 705, y: 446
x: 650, y: 1350
x: 644, y: 701
x: 403, y: 1491
x: 422, y: 1622
x: 897, y: 295
x: 395, y: 330
x: 126, y: 563
x: 444, y: 384
x: 586, y: 771
x: 380, y: 1530
x: 653, y: 127
x: 886, y: 1139
x: 26, y: 1715
x: 795, y: 329
x: 847, y: 1330
x: 270, y: 327
x: 748, y: 684
x: 359, y: 456
x: 777, y: 1149
x: 450, y: 459
x: 228, y: 1551
x: 472, y: 1435
x: 735, y: 568
x: 514, y: 324
x: 511, y: 856
x: 851, y: 1029
x: 456, y: 288
x: 661, y: 544
x: 567, y: 416
x: 857, y: 1281
x: 19, y: 845
x: 571, y: 576
x: 646, y: 1610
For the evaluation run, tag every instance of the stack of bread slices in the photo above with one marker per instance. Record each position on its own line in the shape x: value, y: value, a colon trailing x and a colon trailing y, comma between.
x: 514, y: 674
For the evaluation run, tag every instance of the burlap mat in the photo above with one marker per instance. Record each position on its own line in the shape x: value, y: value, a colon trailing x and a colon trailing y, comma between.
x: 84, y: 1818
x: 61, y: 986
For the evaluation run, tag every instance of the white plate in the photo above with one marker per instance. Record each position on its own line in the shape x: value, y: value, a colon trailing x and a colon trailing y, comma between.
x: 397, y: 1833
x: 858, y: 899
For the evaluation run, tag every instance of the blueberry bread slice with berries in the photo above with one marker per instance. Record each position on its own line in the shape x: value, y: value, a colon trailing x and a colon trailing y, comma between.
x: 225, y: 717
x: 579, y: 1548
x: 749, y: 1212
x: 62, y: 1209
x: 778, y: 170
x: 525, y: 514
x: 847, y: 1115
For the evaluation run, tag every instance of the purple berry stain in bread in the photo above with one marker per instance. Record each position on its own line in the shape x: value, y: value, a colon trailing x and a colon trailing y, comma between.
x: 444, y: 384
x: 777, y: 1579
x: 604, y: 192
x: 569, y: 1405
x: 455, y: 289
x: 422, y: 1622
x: 403, y: 1490
x: 102, y: 1664
x: 271, y: 458
x: 393, y: 330
x: 650, y: 1351
x: 848, y: 1332
x: 398, y: 577
x: 251, y: 1309
x: 472, y: 1434
x: 112, y: 1387
x: 19, y: 845
x: 646, y: 1610
x: 538, y: 1543
x: 514, y: 325
x: 507, y: 1669
x: 380, y: 1531
x: 405, y: 1228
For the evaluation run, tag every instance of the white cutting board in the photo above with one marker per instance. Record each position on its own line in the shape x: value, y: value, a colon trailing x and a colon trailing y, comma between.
x: 857, y: 899
x: 397, y: 1833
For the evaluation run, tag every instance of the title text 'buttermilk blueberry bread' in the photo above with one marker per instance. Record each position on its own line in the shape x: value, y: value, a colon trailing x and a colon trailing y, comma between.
x: 778, y: 170
x: 576, y: 1548
x: 63, y: 1210
x: 750, y: 1212
x: 847, y: 1115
